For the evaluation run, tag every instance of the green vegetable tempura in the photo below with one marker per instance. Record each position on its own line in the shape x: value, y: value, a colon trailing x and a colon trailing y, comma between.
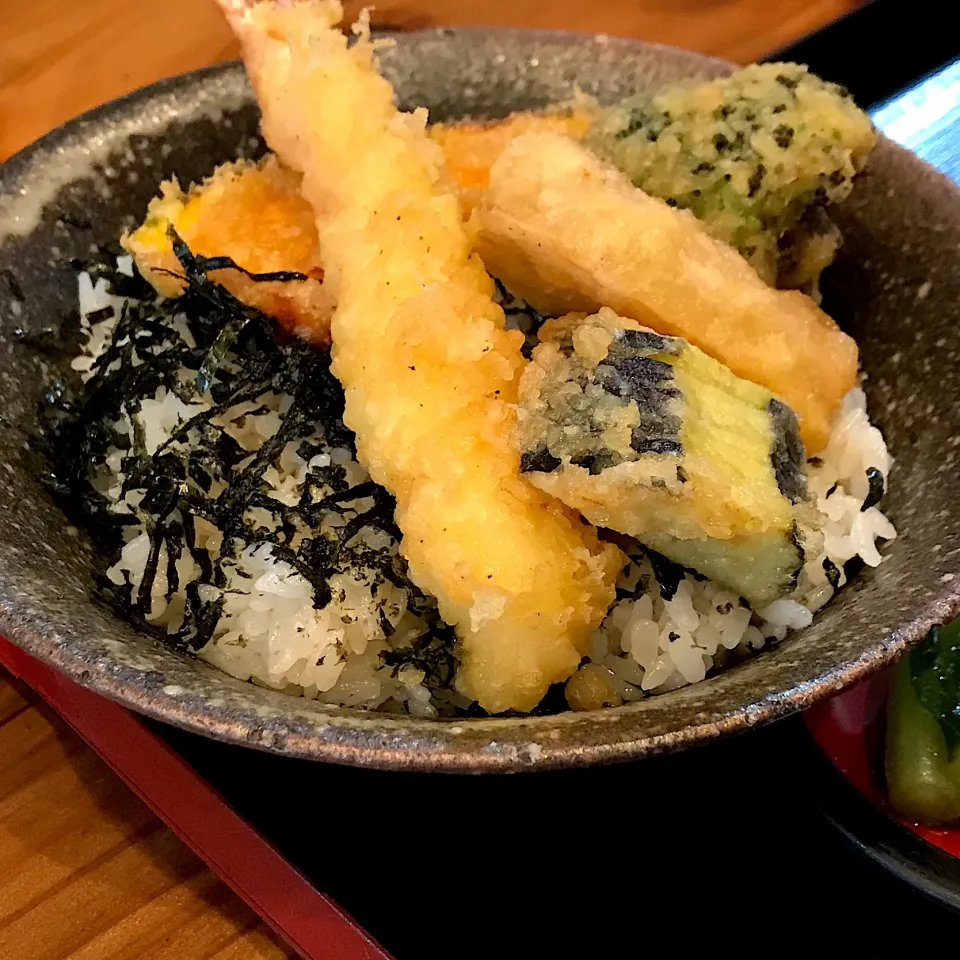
x: 756, y: 156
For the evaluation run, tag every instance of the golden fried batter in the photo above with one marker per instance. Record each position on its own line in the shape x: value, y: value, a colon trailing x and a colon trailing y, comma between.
x: 255, y: 214
x: 471, y: 148
x: 430, y: 373
x: 568, y: 233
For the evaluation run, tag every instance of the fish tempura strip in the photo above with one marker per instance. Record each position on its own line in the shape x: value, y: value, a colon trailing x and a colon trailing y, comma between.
x: 429, y: 371
x: 470, y: 149
x: 569, y: 233
x: 254, y: 214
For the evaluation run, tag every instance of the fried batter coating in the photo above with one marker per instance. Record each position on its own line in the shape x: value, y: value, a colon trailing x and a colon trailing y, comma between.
x: 255, y: 214
x: 648, y: 436
x: 752, y: 155
x: 471, y: 148
x: 568, y: 233
x: 430, y: 373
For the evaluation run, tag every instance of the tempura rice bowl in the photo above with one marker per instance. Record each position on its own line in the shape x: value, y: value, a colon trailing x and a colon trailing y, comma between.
x: 893, y: 291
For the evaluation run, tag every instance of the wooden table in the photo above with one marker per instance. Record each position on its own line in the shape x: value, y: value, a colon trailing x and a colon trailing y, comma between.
x: 86, y: 871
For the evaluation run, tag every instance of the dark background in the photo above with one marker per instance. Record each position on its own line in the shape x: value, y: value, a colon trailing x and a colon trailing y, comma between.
x: 725, y: 848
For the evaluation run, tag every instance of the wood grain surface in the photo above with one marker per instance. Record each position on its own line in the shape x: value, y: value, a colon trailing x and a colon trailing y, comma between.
x: 86, y: 871
x: 58, y: 58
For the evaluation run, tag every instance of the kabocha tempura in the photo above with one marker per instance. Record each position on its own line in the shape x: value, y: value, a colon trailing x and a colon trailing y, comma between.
x: 254, y: 214
x: 428, y: 369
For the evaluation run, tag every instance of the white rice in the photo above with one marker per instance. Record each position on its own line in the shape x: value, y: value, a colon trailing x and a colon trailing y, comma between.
x: 270, y: 632
x: 653, y: 645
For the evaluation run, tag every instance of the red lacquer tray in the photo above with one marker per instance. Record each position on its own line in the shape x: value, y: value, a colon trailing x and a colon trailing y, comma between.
x: 849, y: 729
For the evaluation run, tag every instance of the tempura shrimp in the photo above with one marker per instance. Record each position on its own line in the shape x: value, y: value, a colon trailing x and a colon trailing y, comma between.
x: 429, y: 371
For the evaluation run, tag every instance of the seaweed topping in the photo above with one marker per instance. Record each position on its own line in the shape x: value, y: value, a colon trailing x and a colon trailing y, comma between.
x: 786, y: 454
x: 226, y: 363
x: 519, y: 315
x: 539, y: 461
x: 432, y: 653
x: 669, y: 575
x: 876, y: 488
x: 833, y: 573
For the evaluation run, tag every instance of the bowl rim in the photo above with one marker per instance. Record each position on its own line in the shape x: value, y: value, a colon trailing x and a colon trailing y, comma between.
x: 366, y: 739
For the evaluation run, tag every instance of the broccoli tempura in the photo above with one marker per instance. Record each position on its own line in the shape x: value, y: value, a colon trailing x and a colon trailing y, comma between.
x: 755, y: 156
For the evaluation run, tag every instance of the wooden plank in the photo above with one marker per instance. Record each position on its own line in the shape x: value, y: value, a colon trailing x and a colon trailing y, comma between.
x: 88, y: 873
x: 28, y: 748
x: 58, y: 59
x: 738, y: 30
x: 13, y: 701
x: 206, y: 919
x: 74, y: 816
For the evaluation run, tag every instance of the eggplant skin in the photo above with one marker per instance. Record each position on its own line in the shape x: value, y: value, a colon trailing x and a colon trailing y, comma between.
x: 646, y: 435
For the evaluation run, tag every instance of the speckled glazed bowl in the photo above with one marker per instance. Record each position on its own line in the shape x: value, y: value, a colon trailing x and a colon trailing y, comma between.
x: 896, y: 289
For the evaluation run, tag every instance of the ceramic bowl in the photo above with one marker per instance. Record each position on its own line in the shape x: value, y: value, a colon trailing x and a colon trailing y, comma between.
x: 895, y: 289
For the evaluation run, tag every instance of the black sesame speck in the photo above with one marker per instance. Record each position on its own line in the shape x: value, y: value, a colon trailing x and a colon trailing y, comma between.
x: 783, y: 136
x: 756, y: 180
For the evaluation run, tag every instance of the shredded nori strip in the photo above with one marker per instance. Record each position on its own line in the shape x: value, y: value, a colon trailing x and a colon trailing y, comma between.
x: 875, y: 492
x: 208, y: 345
x: 432, y: 652
x: 538, y: 461
x: 786, y: 453
x: 519, y: 315
x: 833, y: 573
x: 668, y: 573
